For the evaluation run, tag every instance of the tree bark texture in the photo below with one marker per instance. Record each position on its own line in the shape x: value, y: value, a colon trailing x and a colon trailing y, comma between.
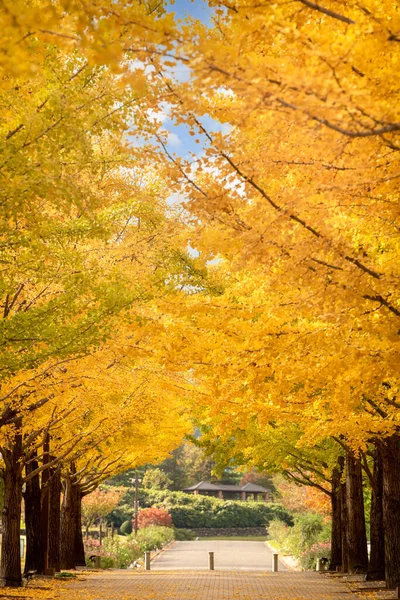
x: 376, y: 569
x: 345, y: 546
x: 34, y: 560
x: 356, y: 531
x: 390, y: 450
x: 79, y: 547
x: 44, y: 514
x: 54, y: 538
x: 336, y: 502
x: 68, y: 524
x: 10, y: 573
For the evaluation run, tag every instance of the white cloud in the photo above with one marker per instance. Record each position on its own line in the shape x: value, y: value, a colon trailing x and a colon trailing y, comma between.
x: 162, y: 115
x: 179, y: 72
x: 176, y: 199
x: 174, y: 140
x: 159, y: 115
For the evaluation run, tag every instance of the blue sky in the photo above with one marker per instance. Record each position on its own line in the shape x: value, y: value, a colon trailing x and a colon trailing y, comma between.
x: 180, y: 142
x: 197, y: 9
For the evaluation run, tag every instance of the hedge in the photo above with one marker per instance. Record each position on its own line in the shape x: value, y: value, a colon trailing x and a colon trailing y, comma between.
x: 189, y: 511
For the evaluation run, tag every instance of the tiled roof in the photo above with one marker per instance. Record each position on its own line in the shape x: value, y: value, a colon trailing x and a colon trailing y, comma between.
x: 205, y: 486
x: 253, y: 487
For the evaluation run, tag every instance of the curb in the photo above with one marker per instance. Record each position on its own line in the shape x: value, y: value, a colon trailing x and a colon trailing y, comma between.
x: 161, y: 551
x: 281, y: 558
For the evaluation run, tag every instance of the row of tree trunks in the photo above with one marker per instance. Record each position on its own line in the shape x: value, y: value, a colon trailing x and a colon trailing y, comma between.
x: 35, y: 496
x: 64, y: 532
x: 349, y: 548
x: 349, y: 541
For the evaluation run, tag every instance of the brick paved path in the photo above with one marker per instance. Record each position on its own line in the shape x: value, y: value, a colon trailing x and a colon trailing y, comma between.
x: 203, y: 585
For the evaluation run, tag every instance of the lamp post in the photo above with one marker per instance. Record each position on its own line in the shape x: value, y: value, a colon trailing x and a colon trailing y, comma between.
x: 136, y: 503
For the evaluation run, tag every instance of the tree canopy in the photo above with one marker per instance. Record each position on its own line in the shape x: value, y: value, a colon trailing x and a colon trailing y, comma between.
x: 250, y: 288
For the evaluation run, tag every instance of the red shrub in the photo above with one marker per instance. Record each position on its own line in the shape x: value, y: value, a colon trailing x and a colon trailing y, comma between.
x: 154, y: 516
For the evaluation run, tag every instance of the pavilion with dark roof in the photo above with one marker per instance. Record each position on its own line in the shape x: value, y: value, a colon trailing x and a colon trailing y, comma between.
x: 230, y: 492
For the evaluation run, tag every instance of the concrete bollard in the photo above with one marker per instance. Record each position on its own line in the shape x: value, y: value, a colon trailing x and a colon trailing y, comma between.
x: 147, y: 561
x: 211, y: 561
x: 97, y: 562
x: 319, y: 565
x: 275, y: 557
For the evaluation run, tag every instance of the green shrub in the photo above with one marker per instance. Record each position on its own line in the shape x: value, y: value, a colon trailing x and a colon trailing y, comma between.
x: 184, y: 535
x: 120, y: 514
x: 120, y: 552
x: 189, y: 511
x: 188, y: 517
x: 307, y: 540
x: 278, y: 531
x: 310, y: 525
x: 113, y: 552
x: 126, y: 527
x: 153, y: 537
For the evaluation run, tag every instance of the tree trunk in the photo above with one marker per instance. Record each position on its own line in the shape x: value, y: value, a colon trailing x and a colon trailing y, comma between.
x: 79, y: 547
x: 390, y: 448
x: 44, y: 515
x: 54, y: 520
x: 356, y: 531
x: 336, y: 502
x: 34, y: 560
x: 10, y: 575
x: 376, y: 569
x: 68, y: 523
x: 345, y: 546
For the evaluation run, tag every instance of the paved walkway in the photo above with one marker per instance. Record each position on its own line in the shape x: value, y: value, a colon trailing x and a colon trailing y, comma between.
x: 206, y: 585
x: 228, y: 555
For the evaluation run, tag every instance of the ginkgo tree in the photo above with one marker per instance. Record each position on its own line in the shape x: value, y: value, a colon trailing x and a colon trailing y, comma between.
x: 114, y: 409
x: 85, y: 241
x: 299, y: 200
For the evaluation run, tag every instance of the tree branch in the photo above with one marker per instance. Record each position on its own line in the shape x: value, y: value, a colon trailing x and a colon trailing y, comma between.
x: 328, y: 12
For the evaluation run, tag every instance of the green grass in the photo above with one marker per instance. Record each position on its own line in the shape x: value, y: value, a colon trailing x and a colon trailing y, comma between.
x: 274, y: 544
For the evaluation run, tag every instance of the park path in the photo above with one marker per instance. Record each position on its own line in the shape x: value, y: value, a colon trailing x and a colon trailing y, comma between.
x: 207, y: 585
x: 228, y: 555
x: 243, y: 572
